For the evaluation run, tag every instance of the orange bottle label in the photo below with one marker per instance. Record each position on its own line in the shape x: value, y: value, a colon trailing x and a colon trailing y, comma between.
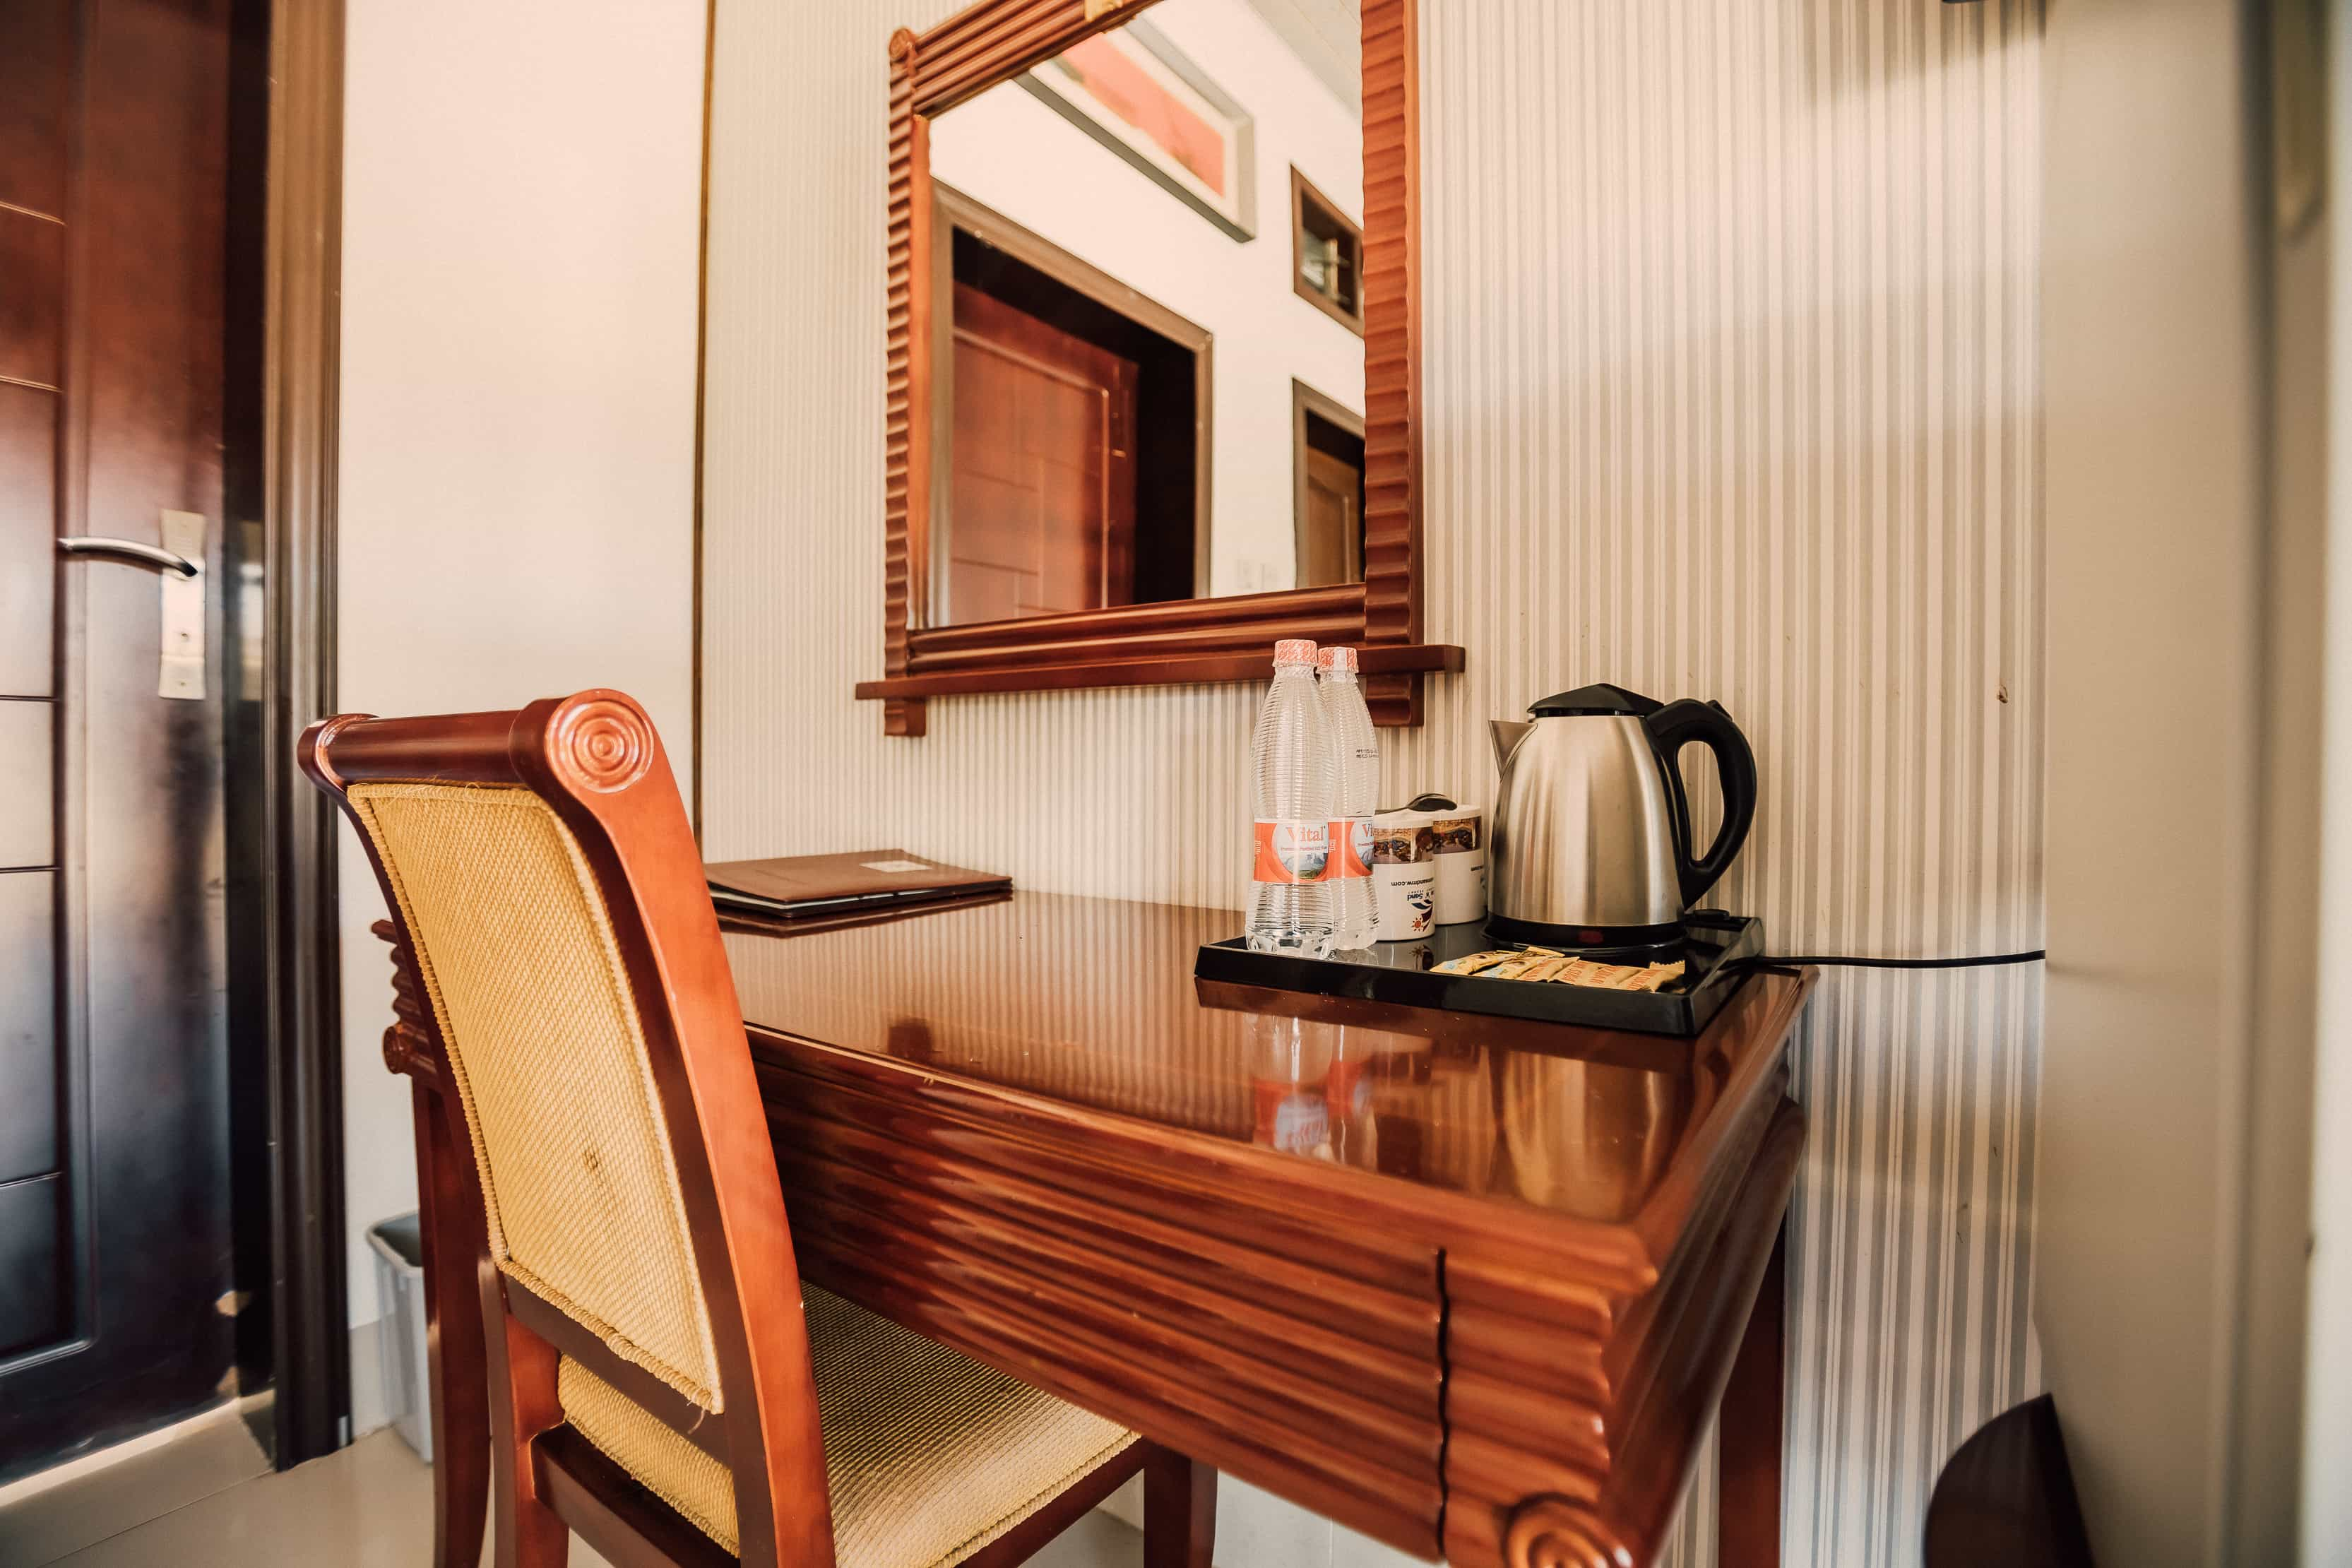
x: 1351, y: 847
x: 1345, y: 1090
x: 1290, y: 850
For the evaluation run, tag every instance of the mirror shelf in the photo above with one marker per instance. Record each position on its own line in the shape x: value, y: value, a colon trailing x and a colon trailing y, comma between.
x: 1169, y: 641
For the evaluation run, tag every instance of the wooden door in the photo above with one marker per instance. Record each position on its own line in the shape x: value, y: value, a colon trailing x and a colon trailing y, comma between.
x: 1042, y: 469
x: 1331, y: 530
x: 115, y: 1225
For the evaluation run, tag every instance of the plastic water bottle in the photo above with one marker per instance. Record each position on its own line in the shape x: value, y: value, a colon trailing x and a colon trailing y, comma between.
x: 1292, y: 788
x: 1355, y: 767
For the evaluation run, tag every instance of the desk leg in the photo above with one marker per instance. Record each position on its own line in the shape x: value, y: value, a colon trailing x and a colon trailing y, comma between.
x: 1180, y: 1511
x: 454, y: 1238
x: 1747, y: 1444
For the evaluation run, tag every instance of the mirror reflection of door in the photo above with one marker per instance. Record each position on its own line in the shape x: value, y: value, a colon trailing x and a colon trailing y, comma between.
x: 1019, y: 527
x: 1327, y: 441
x: 1191, y: 181
x: 1042, y: 485
x: 1331, y: 530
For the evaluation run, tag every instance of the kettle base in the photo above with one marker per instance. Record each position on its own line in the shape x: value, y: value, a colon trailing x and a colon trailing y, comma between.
x: 1588, y: 942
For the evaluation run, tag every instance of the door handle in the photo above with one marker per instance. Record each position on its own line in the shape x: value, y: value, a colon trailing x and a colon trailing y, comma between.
x: 180, y: 561
x: 130, y: 549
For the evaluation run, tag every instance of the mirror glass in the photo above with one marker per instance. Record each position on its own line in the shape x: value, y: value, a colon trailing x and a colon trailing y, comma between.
x: 1150, y: 353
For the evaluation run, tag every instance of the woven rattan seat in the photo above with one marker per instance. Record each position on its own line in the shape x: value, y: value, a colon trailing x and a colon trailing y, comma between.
x: 929, y: 1455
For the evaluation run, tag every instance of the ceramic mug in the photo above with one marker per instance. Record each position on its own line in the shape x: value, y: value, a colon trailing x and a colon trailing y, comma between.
x: 1461, y: 835
x: 1457, y: 840
x: 1404, y: 876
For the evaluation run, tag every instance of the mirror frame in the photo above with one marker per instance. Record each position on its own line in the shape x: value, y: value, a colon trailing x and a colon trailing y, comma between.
x: 1175, y: 642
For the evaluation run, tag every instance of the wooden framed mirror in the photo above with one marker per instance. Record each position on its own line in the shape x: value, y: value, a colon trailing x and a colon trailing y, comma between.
x: 1116, y: 348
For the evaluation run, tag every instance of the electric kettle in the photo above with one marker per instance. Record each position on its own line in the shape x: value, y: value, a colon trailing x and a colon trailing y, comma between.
x: 1592, y: 836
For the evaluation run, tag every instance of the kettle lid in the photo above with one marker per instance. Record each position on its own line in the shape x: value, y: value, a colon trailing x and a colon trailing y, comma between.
x: 1600, y: 697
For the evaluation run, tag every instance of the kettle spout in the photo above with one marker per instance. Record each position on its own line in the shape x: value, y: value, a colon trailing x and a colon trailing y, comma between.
x: 1507, y: 734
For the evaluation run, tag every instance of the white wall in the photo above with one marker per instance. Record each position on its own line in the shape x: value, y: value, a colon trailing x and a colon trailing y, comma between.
x: 1327, y: 35
x: 2185, y: 547
x: 1008, y: 151
x: 521, y: 212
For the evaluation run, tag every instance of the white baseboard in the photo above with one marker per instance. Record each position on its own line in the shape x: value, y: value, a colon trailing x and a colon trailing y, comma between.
x: 368, y: 1411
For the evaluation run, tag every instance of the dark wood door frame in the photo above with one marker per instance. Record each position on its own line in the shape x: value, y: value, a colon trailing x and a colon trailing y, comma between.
x: 284, y: 955
x: 303, y: 345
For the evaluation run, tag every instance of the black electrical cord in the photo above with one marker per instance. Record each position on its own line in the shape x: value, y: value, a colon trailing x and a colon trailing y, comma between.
x: 2036, y: 956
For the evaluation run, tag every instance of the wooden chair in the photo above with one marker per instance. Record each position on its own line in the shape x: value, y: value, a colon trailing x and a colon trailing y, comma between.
x: 659, y: 1379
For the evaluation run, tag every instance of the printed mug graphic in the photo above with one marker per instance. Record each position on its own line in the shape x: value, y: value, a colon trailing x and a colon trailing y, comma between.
x: 1422, y: 902
x: 1455, y: 835
x: 1290, y: 851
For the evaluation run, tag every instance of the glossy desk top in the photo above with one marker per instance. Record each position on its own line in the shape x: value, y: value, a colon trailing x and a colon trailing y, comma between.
x: 1092, y: 1003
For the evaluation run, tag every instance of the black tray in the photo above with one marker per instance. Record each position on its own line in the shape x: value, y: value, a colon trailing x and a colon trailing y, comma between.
x: 1399, y: 971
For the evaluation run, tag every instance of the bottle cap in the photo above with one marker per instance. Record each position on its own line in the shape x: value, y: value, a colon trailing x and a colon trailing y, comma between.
x: 1337, y: 658
x: 1294, y: 650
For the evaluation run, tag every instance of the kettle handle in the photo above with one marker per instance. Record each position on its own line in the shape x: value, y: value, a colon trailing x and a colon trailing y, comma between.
x: 1672, y: 727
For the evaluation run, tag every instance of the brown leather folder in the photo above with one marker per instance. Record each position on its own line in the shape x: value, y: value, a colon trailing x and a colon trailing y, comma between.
x: 798, y: 887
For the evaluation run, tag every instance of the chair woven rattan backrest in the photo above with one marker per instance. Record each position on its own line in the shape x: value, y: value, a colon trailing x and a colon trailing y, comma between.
x: 548, y: 892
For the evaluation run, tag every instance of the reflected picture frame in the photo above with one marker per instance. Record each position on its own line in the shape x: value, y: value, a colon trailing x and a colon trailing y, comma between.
x: 1138, y: 94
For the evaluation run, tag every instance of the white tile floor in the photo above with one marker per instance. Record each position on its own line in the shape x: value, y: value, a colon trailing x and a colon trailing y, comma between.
x: 86, y: 1499
x: 370, y: 1506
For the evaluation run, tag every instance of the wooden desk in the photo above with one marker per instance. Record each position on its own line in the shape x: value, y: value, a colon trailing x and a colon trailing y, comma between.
x: 1469, y: 1285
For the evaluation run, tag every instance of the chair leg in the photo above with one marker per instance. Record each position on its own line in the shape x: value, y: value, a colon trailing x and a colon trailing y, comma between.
x: 1180, y: 1511
x: 457, y: 1374
x: 522, y: 1406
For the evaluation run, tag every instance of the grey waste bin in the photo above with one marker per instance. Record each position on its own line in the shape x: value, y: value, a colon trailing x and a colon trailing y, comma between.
x: 400, y: 1329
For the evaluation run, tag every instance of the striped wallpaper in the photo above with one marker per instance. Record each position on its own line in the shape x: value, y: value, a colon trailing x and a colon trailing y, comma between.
x: 1731, y: 392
